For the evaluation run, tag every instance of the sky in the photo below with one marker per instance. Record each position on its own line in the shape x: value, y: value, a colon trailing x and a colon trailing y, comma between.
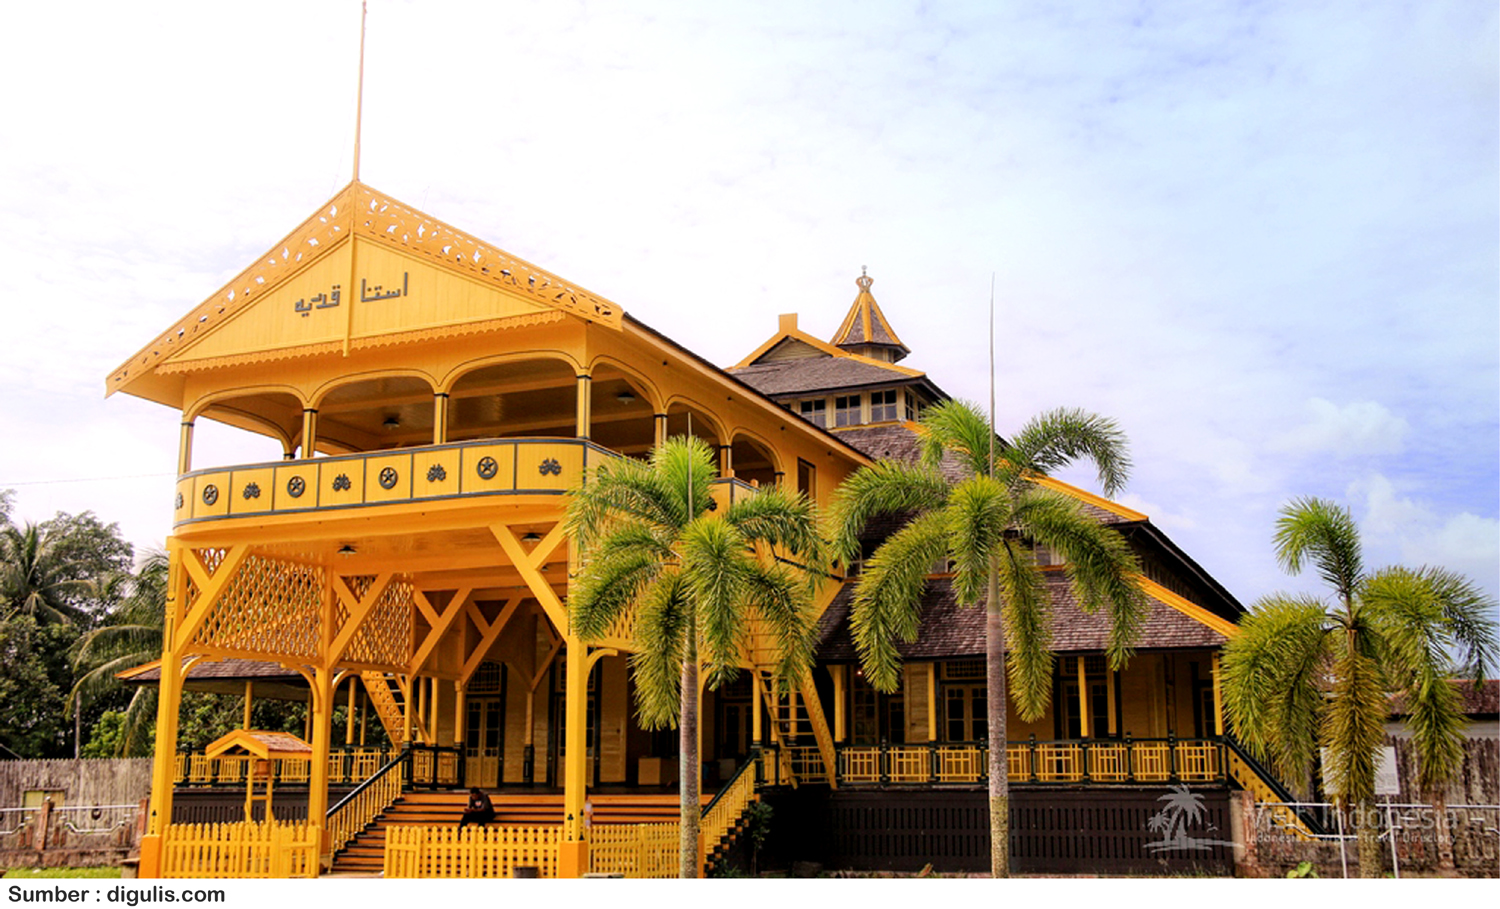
x: 1261, y: 236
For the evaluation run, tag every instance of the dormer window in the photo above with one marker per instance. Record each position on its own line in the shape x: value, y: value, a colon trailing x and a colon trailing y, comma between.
x: 815, y: 412
x: 883, y: 406
x: 846, y: 410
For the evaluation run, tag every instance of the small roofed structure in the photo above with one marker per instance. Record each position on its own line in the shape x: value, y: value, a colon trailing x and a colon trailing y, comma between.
x: 264, y: 748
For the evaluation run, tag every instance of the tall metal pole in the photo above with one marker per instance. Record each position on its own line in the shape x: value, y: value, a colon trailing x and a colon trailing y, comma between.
x: 359, y: 103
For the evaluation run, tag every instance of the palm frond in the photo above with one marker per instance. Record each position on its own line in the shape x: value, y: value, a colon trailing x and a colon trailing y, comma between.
x: 1353, y: 721
x: 780, y: 603
x: 1100, y: 565
x: 887, y: 598
x: 716, y: 566
x: 1322, y: 533
x: 1057, y: 438
x: 978, y: 515
x: 663, y: 619
x: 1272, y: 670
x: 606, y: 588
x: 959, y: 428
x: 1026, y: 609
x: 882, y: 488
x: 778, y: 516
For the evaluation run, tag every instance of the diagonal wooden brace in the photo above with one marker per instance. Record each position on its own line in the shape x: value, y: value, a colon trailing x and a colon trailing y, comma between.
x: 529, y: 565
x: 210, y: 589
x: 440, y: 624
x: 359, y: 609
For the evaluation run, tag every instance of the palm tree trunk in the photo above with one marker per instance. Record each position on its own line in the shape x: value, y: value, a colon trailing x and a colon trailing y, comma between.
x: 996, y: 703
x: 1443, y: 833
x: 1367, y: 834
x: 689, y: 771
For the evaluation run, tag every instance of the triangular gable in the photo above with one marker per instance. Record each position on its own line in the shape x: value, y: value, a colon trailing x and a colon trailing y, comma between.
x: 260, y: 743
x: 359, y: 241
x: 865, y: 324
x: 787, y: 331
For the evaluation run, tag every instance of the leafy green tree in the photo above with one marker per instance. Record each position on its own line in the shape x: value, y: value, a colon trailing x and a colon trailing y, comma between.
x: 694, y: 579
x: 131, y: 636
x: 984, y: 514
x: 61, y: 570
x: 33, y: 678
x: 1304, y: 672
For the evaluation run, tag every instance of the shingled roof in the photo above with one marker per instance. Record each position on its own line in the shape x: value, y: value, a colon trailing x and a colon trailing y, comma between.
x: 951, y: 631
x: 808, y: 374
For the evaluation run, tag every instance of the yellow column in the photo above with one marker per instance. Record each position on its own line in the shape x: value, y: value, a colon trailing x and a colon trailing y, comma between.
x: 661, y: 428
x: 1083, y: 700
x: 185, y: 448
x: 249, y: 699
x: 322, y: 733
x: 458, y: 713
x: 309, y: 432
x: 1111, y: 680
x: 1218, y: 699
x: 932, y: 704
x: 585, y: 406
x: 434, y: 705
x: 726, y: 461
x: 407, y: 693
x: 169, y: 698
x: 840, y: 673
x: 349, y: 714
x: 439, y: 418
x: 573, y: 854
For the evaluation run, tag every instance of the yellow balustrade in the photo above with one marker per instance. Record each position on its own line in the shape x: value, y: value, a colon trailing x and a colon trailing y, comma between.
x: 1109, y: 763
x: 859, y: 764
x: 909, y: 764
x: 637, y: 850
x: 447, y: 852
x: 427, y: 473
x: 242, y: 850
x: 726, y: 810
x: 229, y: 769
x: 1198, y: 762
x: 1151, y: 762
x: 1018, y: 764
x: 962, y: 763
x: 1059, y: 763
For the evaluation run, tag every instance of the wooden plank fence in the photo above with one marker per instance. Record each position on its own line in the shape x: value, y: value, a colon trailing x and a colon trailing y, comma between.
x: 635, y: 850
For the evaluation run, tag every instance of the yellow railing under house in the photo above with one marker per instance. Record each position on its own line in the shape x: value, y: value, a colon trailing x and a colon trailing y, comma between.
x: 447, y: 852
x: 636, y: 850
x: 354, y: 765
x: 1084, y: 761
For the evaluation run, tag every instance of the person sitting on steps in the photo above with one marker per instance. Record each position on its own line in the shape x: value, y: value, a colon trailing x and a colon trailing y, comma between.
x: 480, y: 811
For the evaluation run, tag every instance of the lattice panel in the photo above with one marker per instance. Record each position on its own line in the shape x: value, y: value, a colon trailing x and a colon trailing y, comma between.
x: 270, y: 608
x: 384, y: 639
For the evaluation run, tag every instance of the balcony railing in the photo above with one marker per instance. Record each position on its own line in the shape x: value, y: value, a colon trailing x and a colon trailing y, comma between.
x: 345, y: 765
x: 487, y: 467
x: 1126, y: 761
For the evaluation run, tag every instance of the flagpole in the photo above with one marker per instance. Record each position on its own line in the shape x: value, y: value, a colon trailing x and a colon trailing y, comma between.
x: 992, y: 373
x: 359, y: 102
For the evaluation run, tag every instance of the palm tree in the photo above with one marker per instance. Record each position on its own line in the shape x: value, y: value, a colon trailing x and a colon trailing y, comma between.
x: 1303, y: 673
x: 694, y: 578
x: 37, y: 577
x: 132, y: 637
x: 984, y: 514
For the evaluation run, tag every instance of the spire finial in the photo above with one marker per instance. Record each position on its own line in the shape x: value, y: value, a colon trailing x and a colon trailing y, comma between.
x: 864, y: 280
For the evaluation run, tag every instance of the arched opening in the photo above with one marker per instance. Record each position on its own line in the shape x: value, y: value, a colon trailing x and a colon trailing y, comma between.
x: 244, y: 429
x: 752, y: 461
x: 375, y: 414
x: 621, y: 413
x: 703, y: 426
x: 519, y: 398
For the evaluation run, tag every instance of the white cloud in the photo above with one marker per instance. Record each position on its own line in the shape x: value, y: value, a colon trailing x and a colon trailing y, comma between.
x: 1401, y: 529
x: 1360, y: 428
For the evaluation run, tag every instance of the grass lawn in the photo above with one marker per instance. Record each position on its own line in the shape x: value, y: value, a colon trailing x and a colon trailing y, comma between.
x: 38, y: 873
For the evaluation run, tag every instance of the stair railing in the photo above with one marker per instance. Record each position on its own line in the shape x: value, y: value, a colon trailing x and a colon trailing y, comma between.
x: 729, y: 804
x: 370, y: 799
x: 1269, y: 780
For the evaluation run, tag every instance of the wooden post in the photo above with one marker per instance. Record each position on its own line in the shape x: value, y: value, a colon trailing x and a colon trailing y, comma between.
x: 1218, y: 699
x: 661, y: 428
x: 309, y: 432
x: 185, y: 448
x: 1083, y: 699
x: 1111, y: 679
x: 839, y: 673
x: 249, y: 701
x: 169, y: 699
x: 349, y: 714
x: 584, y: 413
x: 440, y: 418
x: 322, y: 731
x: 932, y: 704
x: 573, y: 851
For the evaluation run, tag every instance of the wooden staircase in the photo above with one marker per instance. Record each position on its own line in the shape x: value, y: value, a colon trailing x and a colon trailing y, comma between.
x: 795, y: 714
x: 388, y: 694
x: 365, y: 854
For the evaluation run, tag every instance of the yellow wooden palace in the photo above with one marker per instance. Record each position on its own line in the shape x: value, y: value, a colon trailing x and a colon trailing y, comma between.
x: 435, y: 398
